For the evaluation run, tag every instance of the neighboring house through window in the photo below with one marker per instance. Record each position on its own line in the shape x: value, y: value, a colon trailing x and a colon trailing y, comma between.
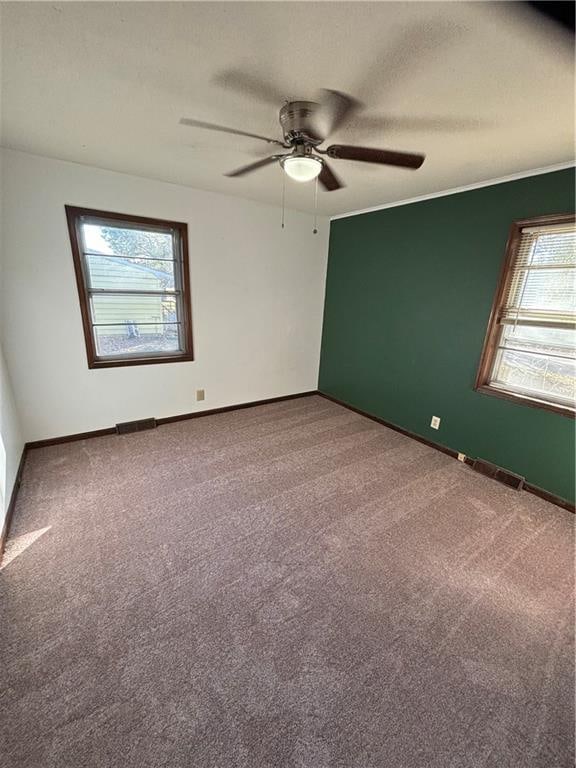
x: 134, y: 287
x: 529, y: 353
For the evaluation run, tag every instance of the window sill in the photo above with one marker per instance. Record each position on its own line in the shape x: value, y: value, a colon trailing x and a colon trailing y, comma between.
x: 123, y: 362
x: 533, y: 402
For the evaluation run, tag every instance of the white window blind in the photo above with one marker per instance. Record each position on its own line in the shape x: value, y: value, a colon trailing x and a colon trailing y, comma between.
x: 541, y: 289
x: 536, y: 349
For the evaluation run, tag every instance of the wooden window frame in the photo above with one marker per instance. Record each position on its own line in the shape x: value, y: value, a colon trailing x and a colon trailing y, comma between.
x: 74, y: 216
x: 494, y: 329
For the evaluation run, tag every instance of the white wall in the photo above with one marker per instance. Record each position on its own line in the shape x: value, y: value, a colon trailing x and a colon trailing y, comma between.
x: 257, y: 299
x: 12, y: 442
x: 11, y: 438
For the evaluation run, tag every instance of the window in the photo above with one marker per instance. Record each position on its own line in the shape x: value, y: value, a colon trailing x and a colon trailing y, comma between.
x: 134, y: 287
x: 530, y: 349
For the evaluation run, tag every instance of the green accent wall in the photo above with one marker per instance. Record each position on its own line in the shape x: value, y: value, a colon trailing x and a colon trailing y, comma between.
x: 408, y: 295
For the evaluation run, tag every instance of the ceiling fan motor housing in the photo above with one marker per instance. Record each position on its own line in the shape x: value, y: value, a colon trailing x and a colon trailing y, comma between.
x: 295, y: 119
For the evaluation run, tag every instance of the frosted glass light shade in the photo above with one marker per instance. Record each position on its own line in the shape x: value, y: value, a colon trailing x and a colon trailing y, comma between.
x: 302, y: 168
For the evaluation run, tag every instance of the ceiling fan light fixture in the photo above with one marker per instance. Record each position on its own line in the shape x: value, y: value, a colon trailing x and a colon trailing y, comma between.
x: 302, y: 168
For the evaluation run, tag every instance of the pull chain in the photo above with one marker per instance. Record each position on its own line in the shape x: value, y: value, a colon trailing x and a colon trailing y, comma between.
x: 283, y: 195
x: 315, y: 230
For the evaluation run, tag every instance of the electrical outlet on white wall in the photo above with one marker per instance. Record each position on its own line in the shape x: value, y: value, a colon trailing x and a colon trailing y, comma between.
x: 435, y: 423
x: 200, y: 395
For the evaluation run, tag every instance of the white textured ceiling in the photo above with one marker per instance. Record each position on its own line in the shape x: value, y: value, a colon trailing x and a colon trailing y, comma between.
x: 483, y: 89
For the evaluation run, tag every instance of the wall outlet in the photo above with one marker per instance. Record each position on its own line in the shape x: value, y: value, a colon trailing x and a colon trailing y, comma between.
x: 435, y: 423
x: 461, y: 457
x: 200, y: 395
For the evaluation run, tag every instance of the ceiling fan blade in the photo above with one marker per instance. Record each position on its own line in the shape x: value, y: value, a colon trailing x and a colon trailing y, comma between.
x: 424, y: 123
x: 334, y: 110
x: 249, y: 85
x: 561, y: 13
x: 328, y: 178
x: 225, y: 129
x: 371, y: 155
x: 429, y: 38
x: 252, y: 167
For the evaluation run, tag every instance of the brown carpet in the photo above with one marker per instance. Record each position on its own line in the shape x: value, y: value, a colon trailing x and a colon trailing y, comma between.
x: 288, y: 585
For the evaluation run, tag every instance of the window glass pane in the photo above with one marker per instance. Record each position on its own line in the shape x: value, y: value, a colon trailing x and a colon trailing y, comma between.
x: 130, y: 274
x: 554, y: 341
x: 133, y: 309
x: 122, y: 241
x: 134, y: 339
x: 546, y: 377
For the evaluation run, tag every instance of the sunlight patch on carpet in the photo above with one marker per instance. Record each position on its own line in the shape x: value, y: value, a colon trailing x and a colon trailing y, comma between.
x: 20, y: 544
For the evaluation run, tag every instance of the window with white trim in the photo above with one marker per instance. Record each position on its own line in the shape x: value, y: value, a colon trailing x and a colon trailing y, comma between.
x: 530, y: 349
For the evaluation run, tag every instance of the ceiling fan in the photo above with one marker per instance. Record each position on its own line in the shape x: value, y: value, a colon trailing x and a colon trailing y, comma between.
x: 305, y: 126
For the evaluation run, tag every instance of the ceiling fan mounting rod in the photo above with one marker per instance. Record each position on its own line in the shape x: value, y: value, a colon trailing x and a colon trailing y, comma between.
x: 301, y: 149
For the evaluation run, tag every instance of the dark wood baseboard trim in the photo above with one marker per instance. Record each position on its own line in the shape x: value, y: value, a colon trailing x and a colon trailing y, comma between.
x: 558, y: 500
x: 226, y: 408
x: 12, y: 504
x: 396, y: 428
x: 546, y: 495
x: 166, y: 420
x: 551, y: 497
x: 71, y: 438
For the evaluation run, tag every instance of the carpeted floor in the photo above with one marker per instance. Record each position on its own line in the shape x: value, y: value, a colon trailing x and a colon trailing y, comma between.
x: 288, y: 585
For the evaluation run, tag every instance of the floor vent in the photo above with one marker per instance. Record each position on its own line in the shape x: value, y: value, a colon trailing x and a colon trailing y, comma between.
x: 135, y: 426
x: 497, y: 473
